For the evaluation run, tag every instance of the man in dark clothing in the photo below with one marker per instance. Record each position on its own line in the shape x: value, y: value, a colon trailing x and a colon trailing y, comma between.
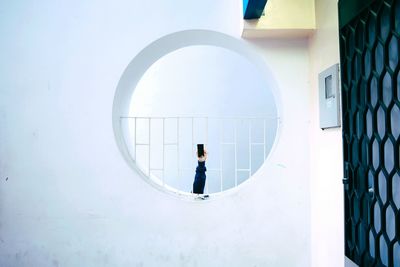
x: 200, y: 177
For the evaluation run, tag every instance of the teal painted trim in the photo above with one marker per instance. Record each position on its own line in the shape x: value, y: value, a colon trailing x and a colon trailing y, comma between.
x: 245, y: 3
x: 253, y: 9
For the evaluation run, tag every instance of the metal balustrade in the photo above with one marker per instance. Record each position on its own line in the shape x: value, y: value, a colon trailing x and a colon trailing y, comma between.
x: 261, y: 132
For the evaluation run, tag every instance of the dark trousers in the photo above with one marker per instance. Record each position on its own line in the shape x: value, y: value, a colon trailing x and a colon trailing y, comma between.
x: 200, y: 178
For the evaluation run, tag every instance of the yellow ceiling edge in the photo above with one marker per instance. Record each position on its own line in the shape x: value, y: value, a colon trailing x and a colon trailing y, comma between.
x: 283, y: 19
x: 278, y: 33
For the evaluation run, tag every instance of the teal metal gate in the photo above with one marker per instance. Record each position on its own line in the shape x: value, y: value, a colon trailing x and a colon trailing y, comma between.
x: 369, y: 48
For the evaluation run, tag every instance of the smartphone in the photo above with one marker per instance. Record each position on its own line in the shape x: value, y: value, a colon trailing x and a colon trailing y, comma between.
x: 200, y: 150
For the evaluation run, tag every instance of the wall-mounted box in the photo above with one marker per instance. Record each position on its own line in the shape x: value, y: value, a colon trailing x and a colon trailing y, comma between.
x: 329, y: 98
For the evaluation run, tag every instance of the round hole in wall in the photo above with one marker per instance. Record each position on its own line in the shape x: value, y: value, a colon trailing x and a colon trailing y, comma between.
x: 196, y: 87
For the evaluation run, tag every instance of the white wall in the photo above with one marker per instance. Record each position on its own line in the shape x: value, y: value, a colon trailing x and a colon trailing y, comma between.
x: 208, y: 81
x: 71, y: 200
x: 327, y: 221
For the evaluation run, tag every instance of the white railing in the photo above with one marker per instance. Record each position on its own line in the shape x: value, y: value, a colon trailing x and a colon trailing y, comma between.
x: 140, y: 130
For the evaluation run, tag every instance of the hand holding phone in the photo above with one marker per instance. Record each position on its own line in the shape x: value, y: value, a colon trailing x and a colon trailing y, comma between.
x: 200, y: 150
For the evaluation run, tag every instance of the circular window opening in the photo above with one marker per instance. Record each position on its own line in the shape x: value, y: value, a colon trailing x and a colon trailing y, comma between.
x: 198, y: 94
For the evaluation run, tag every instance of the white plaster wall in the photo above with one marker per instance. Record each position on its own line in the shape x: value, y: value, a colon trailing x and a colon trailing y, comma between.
x: 67, y: 197
x: 208, y: 81
x: 327, y: 223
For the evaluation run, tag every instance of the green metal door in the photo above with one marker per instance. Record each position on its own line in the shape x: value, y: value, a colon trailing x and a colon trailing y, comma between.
x: 369, y: 51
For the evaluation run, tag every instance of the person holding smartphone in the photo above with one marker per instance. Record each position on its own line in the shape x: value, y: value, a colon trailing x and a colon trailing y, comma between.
x: 200, y: 177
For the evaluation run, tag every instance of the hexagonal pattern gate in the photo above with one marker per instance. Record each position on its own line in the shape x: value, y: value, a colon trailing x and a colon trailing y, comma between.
x: 369, y: 45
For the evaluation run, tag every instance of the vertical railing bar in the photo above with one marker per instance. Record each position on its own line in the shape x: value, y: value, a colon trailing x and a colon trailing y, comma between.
x: 177, y: 147
x: 135, y: 140
x: 163, y: 155
x: 193, y: 141
x: 206, y: 130
x: 193, y: 135
x: 264, y: 140
x: 235, y: 142
x: 206, y: 144
x: 149, y: 144
x: 220, y: 154
x: 250, y: 147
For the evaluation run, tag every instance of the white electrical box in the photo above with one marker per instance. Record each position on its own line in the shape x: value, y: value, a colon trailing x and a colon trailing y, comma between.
x: 329, y: 98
